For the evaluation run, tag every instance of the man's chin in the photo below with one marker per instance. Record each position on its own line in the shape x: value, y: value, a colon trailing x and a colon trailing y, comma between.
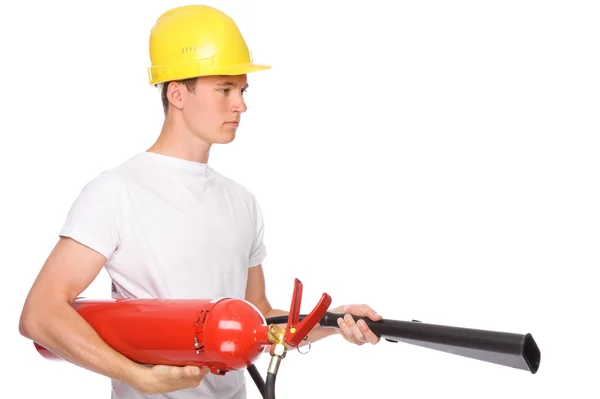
x: 224, y: 138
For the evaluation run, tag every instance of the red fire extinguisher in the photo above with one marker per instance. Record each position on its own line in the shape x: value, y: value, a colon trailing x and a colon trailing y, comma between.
x: 223, y: 334
x: 227, y: 334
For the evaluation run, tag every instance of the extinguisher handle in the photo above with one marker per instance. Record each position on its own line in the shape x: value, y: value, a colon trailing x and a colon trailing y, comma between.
x: 296, y: 330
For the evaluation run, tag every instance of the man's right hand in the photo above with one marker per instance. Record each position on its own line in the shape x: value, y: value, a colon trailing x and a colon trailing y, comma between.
x: 161, y: 378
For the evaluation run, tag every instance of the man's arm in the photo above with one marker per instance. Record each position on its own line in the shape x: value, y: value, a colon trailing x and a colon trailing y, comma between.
x: 49, y: 319
x: 353, y: 332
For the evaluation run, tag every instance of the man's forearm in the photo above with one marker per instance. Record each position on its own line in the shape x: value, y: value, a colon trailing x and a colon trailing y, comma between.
x: 60, y: 329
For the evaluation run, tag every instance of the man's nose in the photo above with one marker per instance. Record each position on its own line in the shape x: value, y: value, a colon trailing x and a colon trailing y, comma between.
x: 239, y: 105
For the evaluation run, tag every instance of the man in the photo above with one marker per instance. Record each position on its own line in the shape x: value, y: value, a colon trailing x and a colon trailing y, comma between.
x: 165, y: 224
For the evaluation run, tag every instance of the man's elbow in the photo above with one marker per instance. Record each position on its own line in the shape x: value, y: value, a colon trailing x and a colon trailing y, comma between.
x: 27, y: 322
x: 34, y: 315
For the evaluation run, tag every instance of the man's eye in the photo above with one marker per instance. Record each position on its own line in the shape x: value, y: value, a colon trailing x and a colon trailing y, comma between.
x: 224, y: 91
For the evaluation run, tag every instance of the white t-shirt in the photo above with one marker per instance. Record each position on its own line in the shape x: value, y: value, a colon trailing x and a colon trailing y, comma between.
x: 171, y: 228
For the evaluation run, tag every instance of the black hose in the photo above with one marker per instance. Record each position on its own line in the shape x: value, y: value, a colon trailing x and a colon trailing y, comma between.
x: 270, y: 386
x: 258, y: 380
x: 506, y: 349
x: 281, y: 319
x: 267, y: 390
x: 503, y: 348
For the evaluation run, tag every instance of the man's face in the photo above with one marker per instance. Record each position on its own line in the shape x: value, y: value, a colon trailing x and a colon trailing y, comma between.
x: 214, y: 110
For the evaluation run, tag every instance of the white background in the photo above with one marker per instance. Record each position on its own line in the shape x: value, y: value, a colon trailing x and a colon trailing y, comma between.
x: 436, y: 160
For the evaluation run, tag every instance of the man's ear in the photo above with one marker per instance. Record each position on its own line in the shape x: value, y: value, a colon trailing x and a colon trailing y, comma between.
x: 174, y: 94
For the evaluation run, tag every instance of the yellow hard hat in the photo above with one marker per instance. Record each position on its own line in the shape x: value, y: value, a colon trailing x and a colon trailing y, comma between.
x: 197, y: 40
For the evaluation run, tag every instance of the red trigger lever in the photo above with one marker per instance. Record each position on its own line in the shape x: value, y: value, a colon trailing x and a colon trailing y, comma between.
x: 297, y: 330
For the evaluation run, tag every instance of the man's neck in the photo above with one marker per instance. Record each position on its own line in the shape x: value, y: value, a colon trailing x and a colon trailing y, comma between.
x: 174, y: 142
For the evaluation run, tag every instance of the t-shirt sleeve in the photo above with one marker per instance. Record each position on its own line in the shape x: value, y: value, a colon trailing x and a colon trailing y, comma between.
x: 258, y: 251
x: 96, y: 216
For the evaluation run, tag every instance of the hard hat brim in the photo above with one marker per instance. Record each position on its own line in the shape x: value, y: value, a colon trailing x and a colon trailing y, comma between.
x: 161, y: 74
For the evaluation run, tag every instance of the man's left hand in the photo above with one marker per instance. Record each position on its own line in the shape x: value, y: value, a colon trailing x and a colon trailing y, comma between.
x: 357, y: 332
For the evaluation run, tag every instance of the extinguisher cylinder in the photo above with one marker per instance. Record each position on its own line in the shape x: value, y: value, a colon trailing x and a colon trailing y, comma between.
x: 224, y: 334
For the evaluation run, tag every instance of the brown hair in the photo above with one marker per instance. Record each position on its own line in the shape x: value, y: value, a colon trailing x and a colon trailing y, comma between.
x: 190, y: 84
